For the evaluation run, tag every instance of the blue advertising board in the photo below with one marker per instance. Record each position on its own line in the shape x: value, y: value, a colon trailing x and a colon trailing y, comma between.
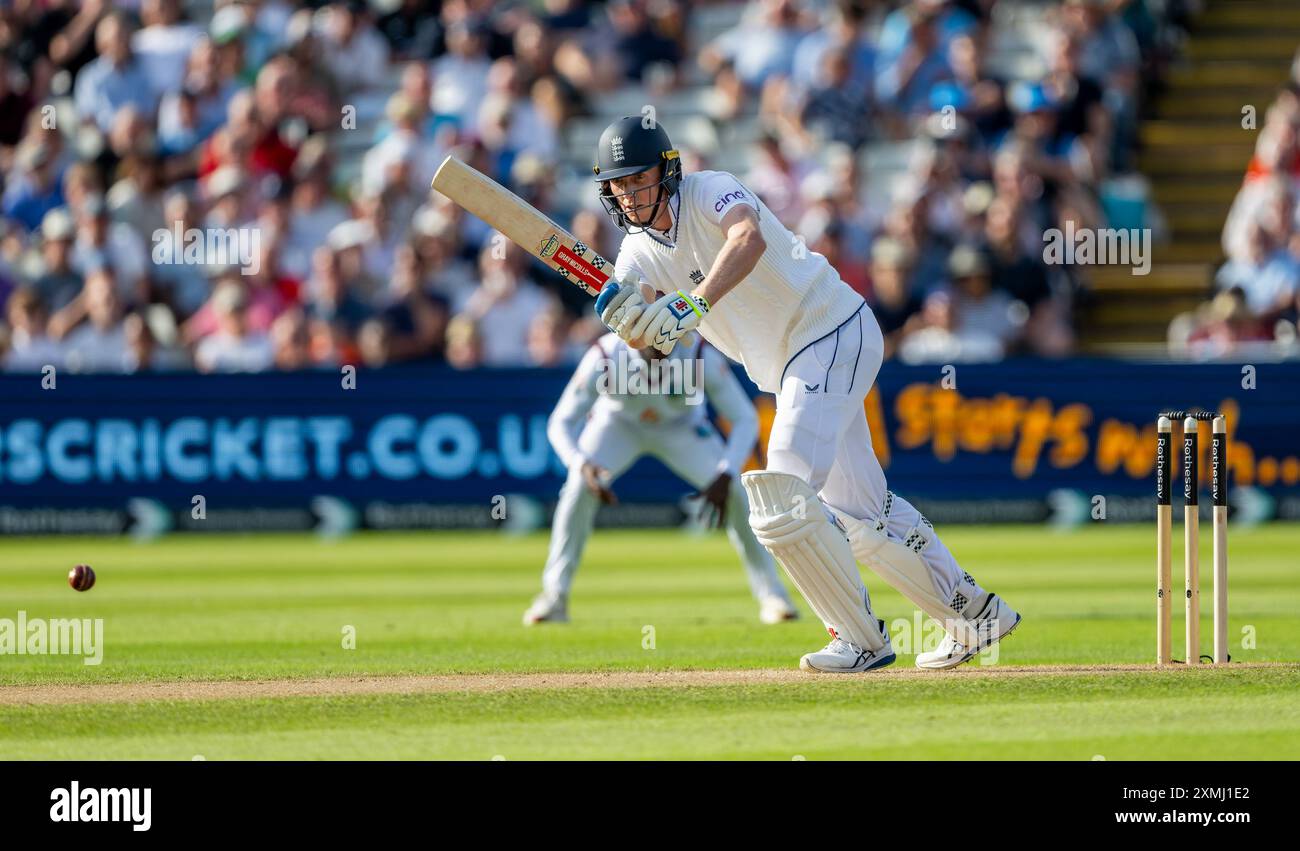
x: 1001, y: 441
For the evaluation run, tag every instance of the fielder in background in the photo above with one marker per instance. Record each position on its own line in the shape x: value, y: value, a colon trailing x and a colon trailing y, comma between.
x: 623, y: 403
x: 732, y: 270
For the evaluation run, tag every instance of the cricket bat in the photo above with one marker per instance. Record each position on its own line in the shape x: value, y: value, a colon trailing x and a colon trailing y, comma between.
x: 523, y: 224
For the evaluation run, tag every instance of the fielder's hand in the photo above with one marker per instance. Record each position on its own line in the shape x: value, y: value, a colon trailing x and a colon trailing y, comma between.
x: 597, y: 481
x: 663, y: 323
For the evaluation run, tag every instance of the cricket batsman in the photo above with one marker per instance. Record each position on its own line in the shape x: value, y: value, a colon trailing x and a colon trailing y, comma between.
x: 621, y: 404
x: 728, y: 268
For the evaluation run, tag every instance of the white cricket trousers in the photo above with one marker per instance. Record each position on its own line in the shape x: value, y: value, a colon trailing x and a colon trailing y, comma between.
x: 820, y: 434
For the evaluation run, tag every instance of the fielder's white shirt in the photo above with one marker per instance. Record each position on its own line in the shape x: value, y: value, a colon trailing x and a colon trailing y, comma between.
x: 792, y: 298
x: 601, y: 390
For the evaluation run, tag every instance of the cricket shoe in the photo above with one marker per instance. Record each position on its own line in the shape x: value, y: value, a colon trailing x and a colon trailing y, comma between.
x: 995, y: 621
x: 776, y: 609
x: 845, y: 657
x: 547, y: 609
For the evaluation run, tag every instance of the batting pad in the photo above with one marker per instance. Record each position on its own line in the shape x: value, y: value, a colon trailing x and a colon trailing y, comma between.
x: 900, y: 564
x: 788, y: 519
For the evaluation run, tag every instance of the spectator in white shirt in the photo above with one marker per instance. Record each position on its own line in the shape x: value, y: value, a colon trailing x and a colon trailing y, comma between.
x: 104, y: 243
x: 164, y: 44
x: 356, y: 55
x: 233, y: 348
x: 115, y: 79
x: 504, y: 306
x: 98, y: 345
x: 30, y: 349
x: 460, y: 75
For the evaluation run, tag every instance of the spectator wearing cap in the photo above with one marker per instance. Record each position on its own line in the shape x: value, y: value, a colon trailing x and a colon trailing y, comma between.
x: 505, y: 302
x: 908, y: 74
x: 115, y: 79
x: 235, y: 346
x: 892, y: 298
x: 226, y: 193
x: 57, y: 283
x: 103, y: 243
x: 1057, y: 157
x: 30, y: 348
x: 985, y: 313
x: 762, y: 47
x: 437, y: 242
x: 99, y: 344
x: 354, y: 52
x: 163, y: 44
x: 349, y: 242
x: 34, y: 188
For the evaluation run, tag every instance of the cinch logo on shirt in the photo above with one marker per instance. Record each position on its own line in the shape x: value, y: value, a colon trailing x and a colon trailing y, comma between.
x: 727, y: 199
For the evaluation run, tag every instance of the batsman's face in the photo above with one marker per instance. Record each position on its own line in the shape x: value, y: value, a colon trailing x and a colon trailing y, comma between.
x: 636, y: 194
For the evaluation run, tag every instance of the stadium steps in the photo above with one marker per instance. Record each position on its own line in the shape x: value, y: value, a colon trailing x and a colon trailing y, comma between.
x: 1194, y: 151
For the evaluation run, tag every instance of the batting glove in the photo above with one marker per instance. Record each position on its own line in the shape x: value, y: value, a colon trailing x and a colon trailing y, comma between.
x: 663, y: 323
x: 620, y: 303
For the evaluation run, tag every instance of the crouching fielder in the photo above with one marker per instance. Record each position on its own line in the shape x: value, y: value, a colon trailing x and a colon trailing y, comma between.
x: 730, y: 269
x: 621, y: 404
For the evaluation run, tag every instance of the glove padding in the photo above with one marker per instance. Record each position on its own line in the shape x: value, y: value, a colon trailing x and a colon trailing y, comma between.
x: 621, y: 303
x: 663, y: 323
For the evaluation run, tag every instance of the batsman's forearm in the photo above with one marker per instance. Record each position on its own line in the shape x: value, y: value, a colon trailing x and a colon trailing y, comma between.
x: 738, y: 257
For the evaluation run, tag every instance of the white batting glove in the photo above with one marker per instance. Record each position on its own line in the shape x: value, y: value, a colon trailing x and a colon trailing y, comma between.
x: 624, y: 307
x: 663, y: 323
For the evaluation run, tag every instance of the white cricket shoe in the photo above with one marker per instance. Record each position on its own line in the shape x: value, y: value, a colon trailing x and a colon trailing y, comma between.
x: 547, y: 609
x: 845, y: 657
x: 776, y: 609
x: 995, y: 621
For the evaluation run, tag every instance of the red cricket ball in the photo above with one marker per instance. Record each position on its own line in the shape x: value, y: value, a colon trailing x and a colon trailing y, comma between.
x: 81, y: 578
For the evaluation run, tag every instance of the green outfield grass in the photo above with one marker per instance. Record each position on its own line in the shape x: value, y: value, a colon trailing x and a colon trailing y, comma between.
x: 263, y: 607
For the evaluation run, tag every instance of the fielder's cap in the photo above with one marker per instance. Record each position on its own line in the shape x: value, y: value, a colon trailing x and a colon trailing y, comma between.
x: 58, y: 225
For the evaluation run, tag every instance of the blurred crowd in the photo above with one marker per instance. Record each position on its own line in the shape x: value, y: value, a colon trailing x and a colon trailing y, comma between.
x: 1256, y: 303
x: 131, y: 132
